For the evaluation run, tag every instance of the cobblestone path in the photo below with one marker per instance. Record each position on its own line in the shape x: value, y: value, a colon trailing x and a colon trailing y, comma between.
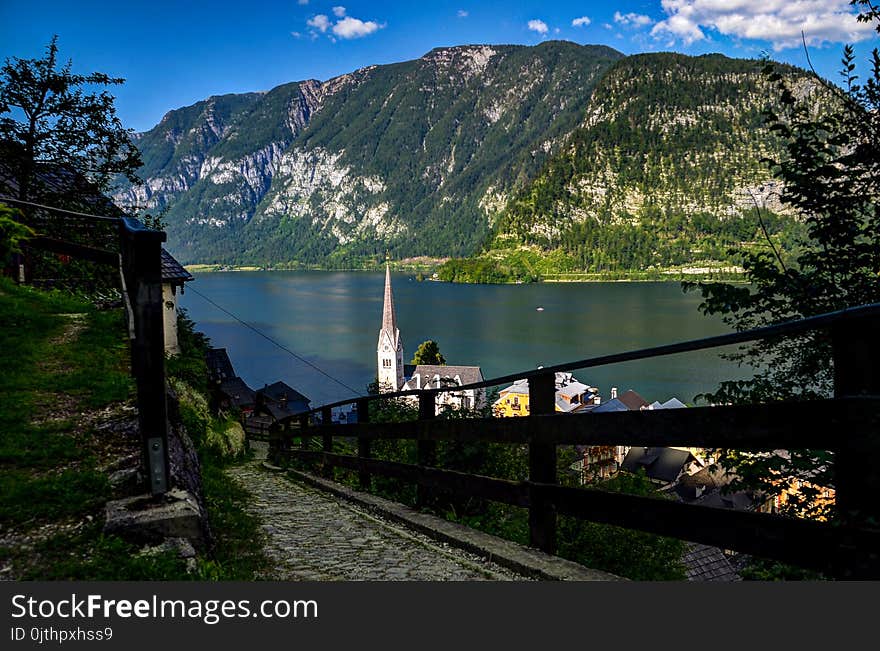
x: 313, y: 536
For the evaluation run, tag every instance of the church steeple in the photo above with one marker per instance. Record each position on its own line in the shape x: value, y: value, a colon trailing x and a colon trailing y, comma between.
x: 389, y: 318
x: 390, y: 348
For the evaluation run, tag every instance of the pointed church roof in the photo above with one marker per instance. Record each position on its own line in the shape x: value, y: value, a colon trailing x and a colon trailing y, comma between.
x: 389, y: 317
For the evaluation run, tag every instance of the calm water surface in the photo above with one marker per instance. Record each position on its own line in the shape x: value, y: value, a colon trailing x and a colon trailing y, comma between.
x: 332, y: 319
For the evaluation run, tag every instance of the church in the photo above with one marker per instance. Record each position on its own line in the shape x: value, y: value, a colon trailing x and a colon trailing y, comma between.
x: 394, y: 375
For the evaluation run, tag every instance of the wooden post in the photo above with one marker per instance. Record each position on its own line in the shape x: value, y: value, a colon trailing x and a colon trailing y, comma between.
x: 304, y: 439
x: 857, y: 373
x: 363, y: 409
x: 542, y: 466
x: 327, y: 420
x: 426, y: 450
x: 142, y: 270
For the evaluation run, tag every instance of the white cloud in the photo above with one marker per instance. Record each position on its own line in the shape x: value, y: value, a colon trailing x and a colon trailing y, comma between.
x: 538, y: 26
x: 778, y: 21
x: 350, y: 27
x: 607, y: 26
x: 583, y: 21
x: 462, y: 13
x: 339, y: 12
x: 633, y: 20
x: 302, y: 2
x: 319, y: 22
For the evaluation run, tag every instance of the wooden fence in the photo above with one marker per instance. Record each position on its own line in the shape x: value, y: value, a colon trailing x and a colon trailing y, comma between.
x: 139, y: 261
x: 848, y: 425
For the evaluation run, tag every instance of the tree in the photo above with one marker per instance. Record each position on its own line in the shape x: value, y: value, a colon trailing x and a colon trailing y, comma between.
x: 428, y: 352
x: 50, y: 119
x: 830, y: 172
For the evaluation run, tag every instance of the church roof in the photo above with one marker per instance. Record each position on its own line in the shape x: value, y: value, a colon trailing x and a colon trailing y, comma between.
x: 172, y: 271
x: 389, y: 316
x: 427, y: 373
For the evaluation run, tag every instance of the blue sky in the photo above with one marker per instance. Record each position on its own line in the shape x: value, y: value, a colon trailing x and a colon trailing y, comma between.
x: 175, y: 53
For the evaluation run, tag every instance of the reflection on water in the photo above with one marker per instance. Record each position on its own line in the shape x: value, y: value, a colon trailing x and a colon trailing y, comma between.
x: 332, y: 319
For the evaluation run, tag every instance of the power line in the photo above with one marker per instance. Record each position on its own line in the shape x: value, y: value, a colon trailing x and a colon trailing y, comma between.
x: 265, y: 336
x: 61, y: 210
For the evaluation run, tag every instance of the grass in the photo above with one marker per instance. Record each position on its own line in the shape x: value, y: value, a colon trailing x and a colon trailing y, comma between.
x: 62, y: 360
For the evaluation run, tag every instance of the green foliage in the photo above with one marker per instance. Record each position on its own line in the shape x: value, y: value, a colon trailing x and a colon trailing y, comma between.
x: 216, y: 436
x: 829, y: 170
x: 63, y: 125
x: 762, y: 569
x: 189, y: 365
x: 69, y: 493
x: 482, y: 270
x: 428, y: 352
x: 12, y: 233
x: 625, y: 552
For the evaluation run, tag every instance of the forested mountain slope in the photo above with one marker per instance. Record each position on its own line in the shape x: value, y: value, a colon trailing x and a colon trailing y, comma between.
x: 666, y: 169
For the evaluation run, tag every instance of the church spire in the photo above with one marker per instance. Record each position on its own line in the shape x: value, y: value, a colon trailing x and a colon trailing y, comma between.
x: 389, y: 317
x: 390, y: 348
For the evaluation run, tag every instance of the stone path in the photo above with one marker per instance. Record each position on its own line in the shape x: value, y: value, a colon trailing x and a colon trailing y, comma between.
x: 313, y: 536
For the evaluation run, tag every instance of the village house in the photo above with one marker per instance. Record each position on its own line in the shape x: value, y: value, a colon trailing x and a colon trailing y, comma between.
x: 430, y: 376
x: 572, y: 396
x: 173, y: 278
x: 219, y: 365
x: 228, y: 391
x: 663, y: 466
x: 276, y: 405
x: 235, y: 395
x: 601, y: 462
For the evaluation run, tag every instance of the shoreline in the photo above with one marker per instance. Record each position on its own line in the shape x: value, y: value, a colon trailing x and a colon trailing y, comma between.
x: 612, y: 278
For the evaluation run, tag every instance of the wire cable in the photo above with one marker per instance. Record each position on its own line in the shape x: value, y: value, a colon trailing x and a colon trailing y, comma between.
x: 61, y: 210
x: 267, y: 337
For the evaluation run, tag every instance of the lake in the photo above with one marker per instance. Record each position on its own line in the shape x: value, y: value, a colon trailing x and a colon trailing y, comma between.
x: 332, y: 320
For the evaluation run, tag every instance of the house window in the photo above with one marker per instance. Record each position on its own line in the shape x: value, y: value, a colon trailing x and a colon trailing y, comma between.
x: 386, y: 363
x: 516, y: 400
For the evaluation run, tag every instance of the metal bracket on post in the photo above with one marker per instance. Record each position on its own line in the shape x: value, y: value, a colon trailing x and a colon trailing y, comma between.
x: 156, y: 465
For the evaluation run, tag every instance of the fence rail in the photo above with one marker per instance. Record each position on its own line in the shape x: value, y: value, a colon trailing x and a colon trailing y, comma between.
x: 848, y: 425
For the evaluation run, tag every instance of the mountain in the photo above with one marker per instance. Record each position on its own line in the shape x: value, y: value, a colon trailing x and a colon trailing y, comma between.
x: 415, y: 158
x: 568, y: 157
x: 665, y: 169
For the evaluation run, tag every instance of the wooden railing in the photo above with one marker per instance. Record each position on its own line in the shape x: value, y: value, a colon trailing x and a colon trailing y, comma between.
x: 848, y: 425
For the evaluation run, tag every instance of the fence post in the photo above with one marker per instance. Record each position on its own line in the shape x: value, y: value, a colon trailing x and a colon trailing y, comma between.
x: 305, y: 439
x: 363, y: 409
x: 426, y: 450
x: 857, y: 373
x: 141, y: 250
x: 542, y: 466
x: 327, y: 421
